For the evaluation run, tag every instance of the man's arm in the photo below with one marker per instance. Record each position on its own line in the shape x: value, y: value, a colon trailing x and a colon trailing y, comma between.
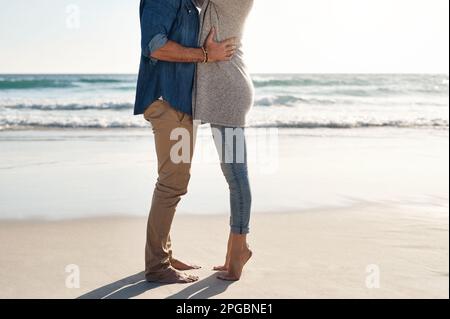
x: 157, y: 18
x: 217, y: 51
x: 174, y: 52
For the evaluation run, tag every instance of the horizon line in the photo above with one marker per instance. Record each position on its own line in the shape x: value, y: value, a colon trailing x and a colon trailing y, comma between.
x: 253, y: 73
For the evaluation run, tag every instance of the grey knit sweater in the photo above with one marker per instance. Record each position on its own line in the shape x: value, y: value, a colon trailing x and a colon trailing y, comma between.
x: 223, y: 91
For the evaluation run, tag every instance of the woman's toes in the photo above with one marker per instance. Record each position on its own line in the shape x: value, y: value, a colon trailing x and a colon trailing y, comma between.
x: 220, y: 268
x: 227, y: 277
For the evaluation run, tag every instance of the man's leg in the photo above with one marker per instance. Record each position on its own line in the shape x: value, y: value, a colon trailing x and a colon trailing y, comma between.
x: 173, y: 179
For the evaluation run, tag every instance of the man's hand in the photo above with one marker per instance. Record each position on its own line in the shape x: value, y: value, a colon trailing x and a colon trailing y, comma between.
x: 219, y: 51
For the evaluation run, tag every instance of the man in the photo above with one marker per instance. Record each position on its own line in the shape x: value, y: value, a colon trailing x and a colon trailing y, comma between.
x: 169, y: 30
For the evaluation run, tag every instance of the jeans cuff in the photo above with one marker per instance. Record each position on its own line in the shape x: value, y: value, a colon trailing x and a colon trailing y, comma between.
x: 240, y: 230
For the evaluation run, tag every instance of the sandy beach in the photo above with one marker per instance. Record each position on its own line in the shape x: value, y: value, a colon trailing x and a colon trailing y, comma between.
x: 328, y: 253
x: 343, y: 214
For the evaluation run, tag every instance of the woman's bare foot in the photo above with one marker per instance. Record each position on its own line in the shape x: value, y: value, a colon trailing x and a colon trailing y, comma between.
x: 173, y: 276
x: 227, y: 258
x: 179, y: 265
x: 239, y: 256
x: 235, y: 271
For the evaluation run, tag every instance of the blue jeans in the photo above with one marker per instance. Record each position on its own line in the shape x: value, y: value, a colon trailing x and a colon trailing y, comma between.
x: 231, y: 146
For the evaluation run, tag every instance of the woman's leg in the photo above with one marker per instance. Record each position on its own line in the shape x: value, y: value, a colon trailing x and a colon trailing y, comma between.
x: 226, y: 265
x: 231, y: 146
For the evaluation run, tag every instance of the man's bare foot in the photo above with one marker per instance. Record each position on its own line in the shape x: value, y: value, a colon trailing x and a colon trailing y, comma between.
x: 179, y: 265
x: 173, y: 276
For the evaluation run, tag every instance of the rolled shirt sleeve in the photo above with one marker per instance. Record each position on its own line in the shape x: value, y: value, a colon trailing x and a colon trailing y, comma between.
x: 156, y: 43
x: 157, y: 18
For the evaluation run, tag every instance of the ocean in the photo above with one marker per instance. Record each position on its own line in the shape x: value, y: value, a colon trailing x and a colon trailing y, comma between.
x: 71, y: 148
x: 29, y: 102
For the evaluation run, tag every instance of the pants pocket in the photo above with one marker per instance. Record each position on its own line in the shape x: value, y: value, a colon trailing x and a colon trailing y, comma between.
x: 155, y: 110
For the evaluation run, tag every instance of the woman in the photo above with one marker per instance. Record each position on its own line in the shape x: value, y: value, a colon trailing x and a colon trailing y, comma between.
x: 223, y: 96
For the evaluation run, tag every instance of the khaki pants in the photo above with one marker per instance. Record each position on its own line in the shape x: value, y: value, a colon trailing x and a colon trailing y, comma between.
x: 172, y: 183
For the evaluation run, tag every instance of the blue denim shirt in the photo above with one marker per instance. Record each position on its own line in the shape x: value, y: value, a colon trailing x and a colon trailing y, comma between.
x: 163, y: 20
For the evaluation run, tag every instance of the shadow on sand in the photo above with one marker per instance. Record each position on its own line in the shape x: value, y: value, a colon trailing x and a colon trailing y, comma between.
x: 136, y: 285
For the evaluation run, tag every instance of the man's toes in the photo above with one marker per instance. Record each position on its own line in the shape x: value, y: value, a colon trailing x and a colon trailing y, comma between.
x: 193, y: 267
x: 192, y: 277
x: 181, y: 266
x: 186, y: 279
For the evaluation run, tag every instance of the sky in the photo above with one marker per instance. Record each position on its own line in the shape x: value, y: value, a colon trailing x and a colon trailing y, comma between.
x: 282, y: 36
